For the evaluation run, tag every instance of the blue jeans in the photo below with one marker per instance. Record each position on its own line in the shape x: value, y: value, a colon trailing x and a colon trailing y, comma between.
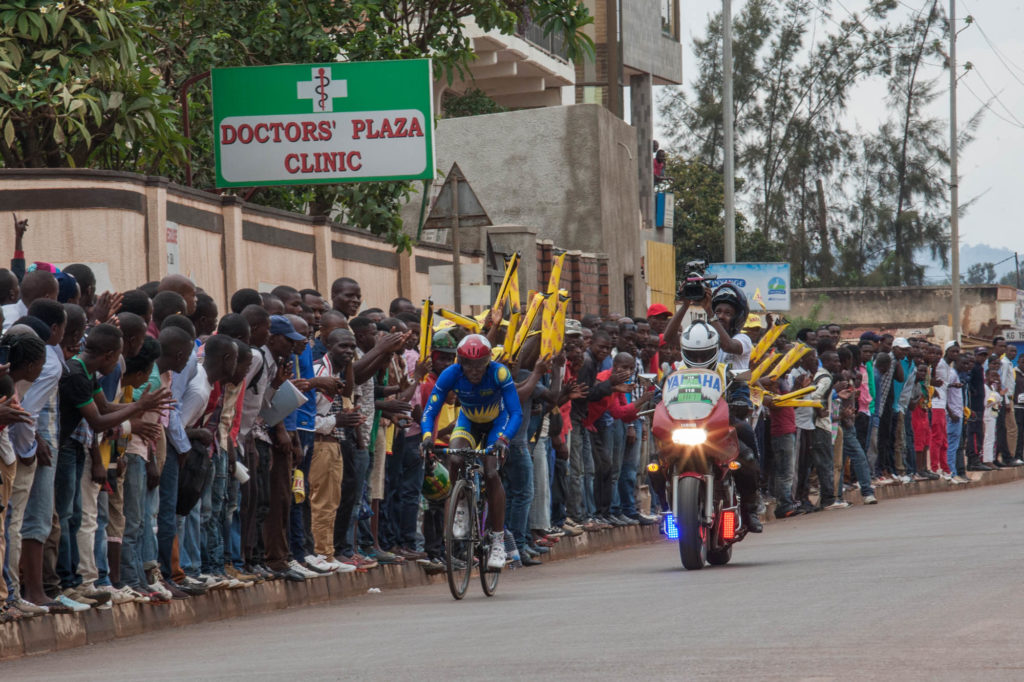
x: 167, y: 515
x: 212, y: 516
x: 858, y: 461
x: 39, y: 508
x: 954, y: 429
x: 133, y: 573
x: 67, y: 495
x: 784, y: 449
x: 589, y: 504
x: 190, y: 540
x: 518, y: 474
x: 233, y: 525
x: 616, y: 451
x: 575, y: 505
x: 909, y: 453
x: 627, y: 472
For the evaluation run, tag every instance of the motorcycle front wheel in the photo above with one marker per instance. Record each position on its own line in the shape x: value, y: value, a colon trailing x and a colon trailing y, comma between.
x: 693, y: 534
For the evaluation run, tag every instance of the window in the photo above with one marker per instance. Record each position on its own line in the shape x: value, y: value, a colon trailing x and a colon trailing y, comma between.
x: 669, y: 18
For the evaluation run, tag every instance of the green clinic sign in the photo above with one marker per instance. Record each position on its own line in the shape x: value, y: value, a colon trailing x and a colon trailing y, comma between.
x: 324, y: 123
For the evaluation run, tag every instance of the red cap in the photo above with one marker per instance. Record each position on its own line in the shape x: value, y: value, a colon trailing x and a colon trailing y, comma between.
x: 658, y: 309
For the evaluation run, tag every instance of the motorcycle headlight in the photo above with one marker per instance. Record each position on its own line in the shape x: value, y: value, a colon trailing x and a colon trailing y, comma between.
x: 689, y: 436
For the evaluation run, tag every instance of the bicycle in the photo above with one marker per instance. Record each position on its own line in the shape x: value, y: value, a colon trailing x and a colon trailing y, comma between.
x: 475, y: 545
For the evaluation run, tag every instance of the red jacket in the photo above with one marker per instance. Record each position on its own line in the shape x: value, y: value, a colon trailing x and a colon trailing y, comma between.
x: 615, y: 404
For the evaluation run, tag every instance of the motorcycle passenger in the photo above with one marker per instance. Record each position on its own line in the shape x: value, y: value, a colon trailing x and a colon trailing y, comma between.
x: 719, y: 340
x: 489, y: 416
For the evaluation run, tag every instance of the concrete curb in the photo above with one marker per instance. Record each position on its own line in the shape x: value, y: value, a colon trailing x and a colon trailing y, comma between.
x: 896, y: 491
x: 45, y: 634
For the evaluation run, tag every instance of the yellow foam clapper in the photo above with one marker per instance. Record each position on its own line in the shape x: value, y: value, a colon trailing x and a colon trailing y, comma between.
x: 763, y: 366
x: 426, y: 325
x: 510, y: 332
x: 767, y: 341
x: 461, y: 320
x: 527, y: 326
x: 798, y: 403
x: 789, y: 360
x: 559, y: 331
x: 511, y: 266
x: 797, y: 393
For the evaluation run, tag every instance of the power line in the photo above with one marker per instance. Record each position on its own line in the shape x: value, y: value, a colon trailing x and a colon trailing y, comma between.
x: 996, y: 96
x: 1004, y: 60
x: 990, y: 109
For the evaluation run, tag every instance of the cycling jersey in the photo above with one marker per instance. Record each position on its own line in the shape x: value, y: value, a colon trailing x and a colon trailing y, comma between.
x: 492, y: 403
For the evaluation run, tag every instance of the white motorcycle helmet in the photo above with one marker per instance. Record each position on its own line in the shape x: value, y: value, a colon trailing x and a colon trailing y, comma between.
x: 700, y: 346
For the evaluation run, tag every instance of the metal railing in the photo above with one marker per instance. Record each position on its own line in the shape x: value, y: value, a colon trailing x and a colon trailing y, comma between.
x: 553, y: 43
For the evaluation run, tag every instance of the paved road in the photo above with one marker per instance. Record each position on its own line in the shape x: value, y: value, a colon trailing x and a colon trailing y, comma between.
x: 920, y: 588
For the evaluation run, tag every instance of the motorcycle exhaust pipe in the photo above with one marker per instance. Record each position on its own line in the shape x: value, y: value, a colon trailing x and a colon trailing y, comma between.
x: 709, y: 500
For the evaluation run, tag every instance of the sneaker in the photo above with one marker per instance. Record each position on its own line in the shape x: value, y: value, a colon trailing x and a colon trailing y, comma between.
x: 319, y: 563
x: 116, y: 596
x: 212, y: 582
x: 74, y: 595
x: 1017, y: 462
x: 97, y: 595
x: 963, y: 479
x: 838, y: 504
x: 627, y: 520
x: 161, y: 590
x: 496, y: 557
x: 553, y: 532
x: 954, y: 480
x: 303, y: 571
x: 870, y: 499
x: 67, y: 602
x: 385, y: 557
x: 460, y: 528
x: 134, y: 595
x: 572, y: 531
x: 28, y: 609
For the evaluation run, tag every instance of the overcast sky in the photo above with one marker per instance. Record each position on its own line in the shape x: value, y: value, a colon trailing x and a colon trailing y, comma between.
x: 992, y: 168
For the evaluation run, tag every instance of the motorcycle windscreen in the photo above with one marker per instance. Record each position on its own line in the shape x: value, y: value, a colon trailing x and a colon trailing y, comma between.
x: 691, y: 394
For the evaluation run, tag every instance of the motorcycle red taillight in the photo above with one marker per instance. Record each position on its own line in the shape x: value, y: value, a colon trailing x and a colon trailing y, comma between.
x: 728, y: 525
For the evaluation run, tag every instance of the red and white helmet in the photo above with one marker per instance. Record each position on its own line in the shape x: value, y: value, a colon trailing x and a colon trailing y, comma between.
x: 474, y: 347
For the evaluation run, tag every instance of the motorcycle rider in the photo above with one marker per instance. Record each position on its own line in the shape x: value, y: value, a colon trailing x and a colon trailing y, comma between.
x: 717, y: 343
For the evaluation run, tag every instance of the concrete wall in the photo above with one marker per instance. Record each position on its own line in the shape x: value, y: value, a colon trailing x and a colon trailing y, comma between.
x: 645, y: 48
x: 569, y: 173
x: 120, y: 220
x: 985, y: 309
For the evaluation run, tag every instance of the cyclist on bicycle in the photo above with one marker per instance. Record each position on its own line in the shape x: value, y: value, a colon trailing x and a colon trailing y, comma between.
x: 490, y: 415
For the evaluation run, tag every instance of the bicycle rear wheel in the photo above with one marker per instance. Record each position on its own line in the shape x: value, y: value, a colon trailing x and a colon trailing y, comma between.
x: 488, y: 578
x: 460, y: 550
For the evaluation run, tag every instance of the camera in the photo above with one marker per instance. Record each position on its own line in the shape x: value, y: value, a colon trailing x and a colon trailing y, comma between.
x: 696, y: 282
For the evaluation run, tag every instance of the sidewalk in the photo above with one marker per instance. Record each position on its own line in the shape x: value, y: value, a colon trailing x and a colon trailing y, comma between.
x: 55, y: 633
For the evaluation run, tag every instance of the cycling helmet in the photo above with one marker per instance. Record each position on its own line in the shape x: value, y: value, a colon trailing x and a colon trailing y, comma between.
x: 474, y: 347
x: 436, y: 484
x: 700, y: 346
x: 443, y: 342
x: 734, y: 296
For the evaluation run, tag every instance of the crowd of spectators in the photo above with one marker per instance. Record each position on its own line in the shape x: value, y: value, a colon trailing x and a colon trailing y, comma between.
x: 152, y: 448
x: 895, y: 411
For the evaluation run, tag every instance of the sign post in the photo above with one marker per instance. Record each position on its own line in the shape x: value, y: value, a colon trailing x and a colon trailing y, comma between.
x: 301, y: 124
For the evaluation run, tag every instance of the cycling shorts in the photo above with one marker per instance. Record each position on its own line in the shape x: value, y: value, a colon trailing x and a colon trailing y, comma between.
x: 481, y: 435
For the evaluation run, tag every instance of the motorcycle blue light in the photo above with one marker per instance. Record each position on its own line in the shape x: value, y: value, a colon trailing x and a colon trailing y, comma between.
x: 669, y: 527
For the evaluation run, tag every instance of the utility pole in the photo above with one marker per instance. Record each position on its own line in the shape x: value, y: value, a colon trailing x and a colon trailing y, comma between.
x: 727, y: 136
x: 1016, y: 268
x: 954, y: 189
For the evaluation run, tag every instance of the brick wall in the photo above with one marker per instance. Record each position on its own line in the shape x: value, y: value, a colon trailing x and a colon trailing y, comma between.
x: 584, y: 276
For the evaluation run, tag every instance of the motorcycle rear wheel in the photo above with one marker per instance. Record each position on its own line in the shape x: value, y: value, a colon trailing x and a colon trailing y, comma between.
x: 693, y: 534
x: 720, y: 557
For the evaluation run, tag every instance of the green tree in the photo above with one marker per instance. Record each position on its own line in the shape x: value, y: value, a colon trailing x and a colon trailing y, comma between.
x: 981, y: 273
x: 473, y: 103
x: 78, y: 88
x: 699, y: 209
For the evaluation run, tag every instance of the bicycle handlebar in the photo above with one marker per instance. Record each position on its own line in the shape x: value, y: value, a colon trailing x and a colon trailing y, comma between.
x: 458, y: 451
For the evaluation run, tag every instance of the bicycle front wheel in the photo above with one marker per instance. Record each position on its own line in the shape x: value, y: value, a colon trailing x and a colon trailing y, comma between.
x: 488, y: 578
x: 459, y: 543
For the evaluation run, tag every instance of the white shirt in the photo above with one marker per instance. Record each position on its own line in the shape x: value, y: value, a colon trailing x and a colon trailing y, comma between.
x: 742, y: 361
x: 13, y: 312
x: 195, y: 398
x: 38, y: 394
x: 942, y: 373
